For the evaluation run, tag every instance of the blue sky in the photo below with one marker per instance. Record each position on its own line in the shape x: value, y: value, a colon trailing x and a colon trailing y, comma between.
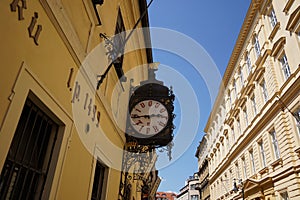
x: 214, y: 25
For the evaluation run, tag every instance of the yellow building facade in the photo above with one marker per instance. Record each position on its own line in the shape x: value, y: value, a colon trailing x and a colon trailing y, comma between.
x: 253, y: 131
x: 61, y: 130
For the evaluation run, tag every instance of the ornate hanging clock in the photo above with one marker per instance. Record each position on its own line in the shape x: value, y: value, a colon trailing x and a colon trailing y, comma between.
x: 149, y: 117
x: 151, y: 114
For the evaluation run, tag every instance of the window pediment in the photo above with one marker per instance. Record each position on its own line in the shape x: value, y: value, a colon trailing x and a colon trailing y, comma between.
x: 293, y: 24
x: 278, y: 46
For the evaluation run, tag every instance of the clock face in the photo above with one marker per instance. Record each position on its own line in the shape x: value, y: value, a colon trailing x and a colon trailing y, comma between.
x: 149, y: 117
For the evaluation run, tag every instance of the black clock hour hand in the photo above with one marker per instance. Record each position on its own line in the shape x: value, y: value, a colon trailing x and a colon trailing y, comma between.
x: 139, y: 116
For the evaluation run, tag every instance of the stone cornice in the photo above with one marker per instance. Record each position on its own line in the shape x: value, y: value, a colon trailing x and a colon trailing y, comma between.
x: 244, y: 32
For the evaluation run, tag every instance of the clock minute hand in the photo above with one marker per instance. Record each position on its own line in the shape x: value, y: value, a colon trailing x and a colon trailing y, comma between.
x: 156, y: 115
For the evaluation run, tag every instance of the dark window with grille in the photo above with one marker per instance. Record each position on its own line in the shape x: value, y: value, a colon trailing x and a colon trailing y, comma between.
x: 119, y: 45
x: 98, y: 181
x: 27, y: 163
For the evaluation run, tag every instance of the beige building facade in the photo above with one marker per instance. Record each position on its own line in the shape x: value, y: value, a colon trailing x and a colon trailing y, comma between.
x: 61, y: 131
x: 203, y: 170
x: 253, y: 130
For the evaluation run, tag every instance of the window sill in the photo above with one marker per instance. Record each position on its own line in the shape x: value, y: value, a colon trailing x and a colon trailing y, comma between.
x: 264, y: 170
x: 277, y: 162
x: 297, y: 151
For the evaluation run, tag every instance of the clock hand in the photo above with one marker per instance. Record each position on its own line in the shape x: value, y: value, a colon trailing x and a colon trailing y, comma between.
x: 139, y: 116
x: 156, y: 115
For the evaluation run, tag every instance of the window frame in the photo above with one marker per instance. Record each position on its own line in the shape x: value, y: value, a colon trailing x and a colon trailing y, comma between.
x: 284, y: 195
x: 254, y: 105
x: 296, y: 114
x: 238, y: 122
x: 43, y: 169
x: 244, y: 168
x: 246, y: 116
x: 237, y: 170
x: 256, y: 46
x: 251, y: 154
x: 285, y: 66
x: 273, y: 18
x: 262, y: 154
x: 99, y: 187
x: 263, y: 86
x: 119, y: 46
x: 275, y: 146
x: 248, y: 62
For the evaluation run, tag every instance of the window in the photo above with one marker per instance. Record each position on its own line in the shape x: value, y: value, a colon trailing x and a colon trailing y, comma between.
x: 119, y: 44
x: 285, y: 67
x: 297, y: 116
x: 264, y: 90
x: 256, y: 46
x: 98, y: 181
x: 239, y: 125
x: 275, y: 144
x: 237, y: 171
x: 233, y: 135
x: 245, y: 168
x: 26, y: 168
x: 234, y: 88
x: 245, y: 115
x: 284, y: 196
x: 242, y: 77
x: 253, y: 102
x: 229, y: 97
x: 252, y: 161
x: 262, y: 154
x: 194, y: 197
x: 228, y: 144
x: 193, y: 186
x: 273, y: 19
x: 248, y: 62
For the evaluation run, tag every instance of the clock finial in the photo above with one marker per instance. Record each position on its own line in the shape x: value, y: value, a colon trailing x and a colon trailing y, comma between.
x: 152, y: 68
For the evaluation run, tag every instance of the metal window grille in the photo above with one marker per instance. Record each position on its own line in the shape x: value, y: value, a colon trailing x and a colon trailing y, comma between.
x: 98, y: 181
x: 27, y: 164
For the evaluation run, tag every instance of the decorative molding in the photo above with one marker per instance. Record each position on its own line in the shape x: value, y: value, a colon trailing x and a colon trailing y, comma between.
x: 274, y: 31
x: 279, y: 44
x: 293, y: 22
x: 64, y: 27
x: 288, y: 5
